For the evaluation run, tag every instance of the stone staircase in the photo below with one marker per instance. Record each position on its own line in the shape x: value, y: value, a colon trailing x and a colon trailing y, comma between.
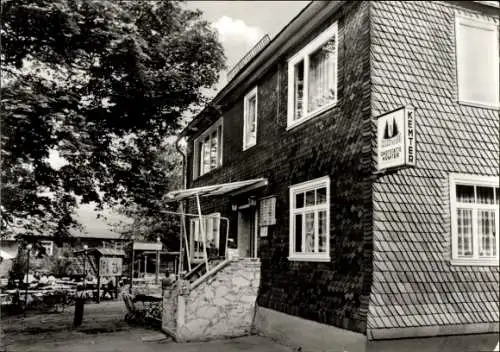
x: 219, y: 303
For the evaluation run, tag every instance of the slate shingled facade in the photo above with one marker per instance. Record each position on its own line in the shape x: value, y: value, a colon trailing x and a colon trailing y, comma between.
x: 413, y: 62
x: 389, y: 233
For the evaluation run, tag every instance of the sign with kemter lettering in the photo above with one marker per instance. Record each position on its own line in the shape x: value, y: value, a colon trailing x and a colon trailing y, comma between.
x: 110, y: 266
x: 396, y: 139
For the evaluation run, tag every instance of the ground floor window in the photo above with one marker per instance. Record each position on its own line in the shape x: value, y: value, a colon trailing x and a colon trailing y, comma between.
x: 474, y: 204
x: 310, y: 220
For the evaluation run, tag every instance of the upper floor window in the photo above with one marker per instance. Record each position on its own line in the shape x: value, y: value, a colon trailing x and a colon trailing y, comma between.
x: 474, y: 219
x: 208, y: 150
x: 310, y: 220
x: 312, y: 77
x: 250, y: 119
x: 477, y: 62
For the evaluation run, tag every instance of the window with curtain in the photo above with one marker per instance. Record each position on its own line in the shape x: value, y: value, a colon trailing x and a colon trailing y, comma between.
x: 312, y: 77
x: 477, y: 61
x: 475, y: 221
x: 250, y: 119
x: 208, y: 150
x: 309, y: 220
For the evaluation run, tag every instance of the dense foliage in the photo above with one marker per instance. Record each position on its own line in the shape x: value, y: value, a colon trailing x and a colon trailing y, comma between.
x: 102, y: 83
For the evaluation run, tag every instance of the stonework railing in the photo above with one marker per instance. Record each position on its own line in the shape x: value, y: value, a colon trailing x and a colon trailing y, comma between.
x: 219, y: 304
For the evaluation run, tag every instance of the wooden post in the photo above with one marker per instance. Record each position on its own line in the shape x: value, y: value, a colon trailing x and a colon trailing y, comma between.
x: 116, y: 287
x: 184, y: 237
x: 203, y: 232
x: 145, y: 266
x: 138, y: 266
x: 98, y: 300
x: 181, y: 248
x: 157, y: 266
x: 132, y: 268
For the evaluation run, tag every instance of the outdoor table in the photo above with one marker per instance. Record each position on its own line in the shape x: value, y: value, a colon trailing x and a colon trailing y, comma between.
x: 5, y: 299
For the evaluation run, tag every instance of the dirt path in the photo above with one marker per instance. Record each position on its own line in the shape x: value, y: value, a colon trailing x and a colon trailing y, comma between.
x: 104, y: 330
x: 98, y: 318
x: 107, y: 316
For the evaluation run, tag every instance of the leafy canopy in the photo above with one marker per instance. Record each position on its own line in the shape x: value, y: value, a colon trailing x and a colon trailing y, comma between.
x: 103, y: 83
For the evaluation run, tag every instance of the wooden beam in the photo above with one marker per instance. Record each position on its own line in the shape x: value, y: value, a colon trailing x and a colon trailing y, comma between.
x: 157, y: 266
x: 203, y: 232
x: 98, y: 300
x: 132, y: 268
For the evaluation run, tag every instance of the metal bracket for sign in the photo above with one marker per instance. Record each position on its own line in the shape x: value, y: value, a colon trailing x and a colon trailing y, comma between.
x: 388, y: 171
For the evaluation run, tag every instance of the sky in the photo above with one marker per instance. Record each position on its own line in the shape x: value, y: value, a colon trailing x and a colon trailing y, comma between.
x: 240, y: 25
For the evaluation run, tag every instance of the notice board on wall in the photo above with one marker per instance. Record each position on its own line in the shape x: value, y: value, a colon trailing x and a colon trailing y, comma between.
x: 267, y: 211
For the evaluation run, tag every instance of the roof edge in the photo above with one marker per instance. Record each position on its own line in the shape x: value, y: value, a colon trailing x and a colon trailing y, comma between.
x: 494, y: 4
x: 263, y: 58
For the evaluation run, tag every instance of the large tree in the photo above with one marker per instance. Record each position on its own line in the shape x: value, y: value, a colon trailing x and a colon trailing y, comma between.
x: 149, y: 216
x: 103, y: 83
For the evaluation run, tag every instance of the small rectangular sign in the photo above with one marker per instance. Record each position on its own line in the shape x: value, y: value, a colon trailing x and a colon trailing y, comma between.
x: 396, y: 139
x: 267, y: 214
x: 110, y: 266
x: 263, y: 231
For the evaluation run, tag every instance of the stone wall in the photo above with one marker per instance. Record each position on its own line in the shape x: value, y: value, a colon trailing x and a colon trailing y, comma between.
x: 169, y: 314
x: 220, y: 304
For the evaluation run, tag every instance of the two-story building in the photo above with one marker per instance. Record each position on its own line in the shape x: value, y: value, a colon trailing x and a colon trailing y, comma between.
x: 354, y: 256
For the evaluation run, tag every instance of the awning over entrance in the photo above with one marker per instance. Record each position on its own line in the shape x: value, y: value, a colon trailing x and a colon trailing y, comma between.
x: 220, y: 189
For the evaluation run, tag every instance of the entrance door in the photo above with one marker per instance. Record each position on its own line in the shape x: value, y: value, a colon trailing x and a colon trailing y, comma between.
x: 247, y: 233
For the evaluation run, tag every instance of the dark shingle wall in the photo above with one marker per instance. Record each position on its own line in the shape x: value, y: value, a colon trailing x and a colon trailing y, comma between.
x: 338, y: 144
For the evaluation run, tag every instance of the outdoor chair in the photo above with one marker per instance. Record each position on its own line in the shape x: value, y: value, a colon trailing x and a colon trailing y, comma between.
x: 133, y: 314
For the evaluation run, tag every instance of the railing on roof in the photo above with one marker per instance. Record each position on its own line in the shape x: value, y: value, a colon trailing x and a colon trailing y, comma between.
x: 248, y: 56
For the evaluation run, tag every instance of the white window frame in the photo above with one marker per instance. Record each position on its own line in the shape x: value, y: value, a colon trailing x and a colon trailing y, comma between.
x: 198, y: 158
x: 472, y: 180
x: 300, y: 188
x: 251, y: 94
x: 209, y: 221
x: 463, y: 20
x: 304, y: 54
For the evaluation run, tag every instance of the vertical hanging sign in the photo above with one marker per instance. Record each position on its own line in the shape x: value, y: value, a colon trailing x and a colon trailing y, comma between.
x: 410, y: 137
x: 396, y: 145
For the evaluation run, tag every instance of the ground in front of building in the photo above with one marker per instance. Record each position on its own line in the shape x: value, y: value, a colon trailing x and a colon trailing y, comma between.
x: 104, y: 329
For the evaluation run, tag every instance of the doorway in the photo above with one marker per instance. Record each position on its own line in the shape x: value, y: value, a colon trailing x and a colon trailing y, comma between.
x: 247, y: 232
